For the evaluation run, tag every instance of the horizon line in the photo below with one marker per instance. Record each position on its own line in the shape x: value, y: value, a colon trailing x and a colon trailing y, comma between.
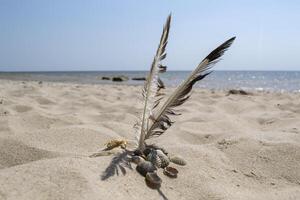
x: 233, y: 70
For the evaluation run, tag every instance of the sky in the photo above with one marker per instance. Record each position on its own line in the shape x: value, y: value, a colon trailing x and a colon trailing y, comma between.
x: 54, y: 35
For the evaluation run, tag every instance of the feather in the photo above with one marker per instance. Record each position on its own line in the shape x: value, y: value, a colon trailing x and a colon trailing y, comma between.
x: 153, y: 85
x: 161, y: 118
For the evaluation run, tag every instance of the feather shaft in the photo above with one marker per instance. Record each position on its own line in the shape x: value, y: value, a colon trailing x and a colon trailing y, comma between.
x: 153, y: 85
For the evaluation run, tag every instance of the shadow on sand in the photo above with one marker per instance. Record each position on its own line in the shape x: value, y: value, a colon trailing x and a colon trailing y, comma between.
x: 118, y: 164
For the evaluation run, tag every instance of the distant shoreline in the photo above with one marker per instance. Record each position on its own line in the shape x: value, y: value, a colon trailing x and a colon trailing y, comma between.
x: 126, y: 85
x: 219, y: 80
x: 89, y: 71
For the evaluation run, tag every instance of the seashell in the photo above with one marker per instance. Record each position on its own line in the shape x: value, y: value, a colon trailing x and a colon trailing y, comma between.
x: 158, y: 158
x: 165, y: 161
x: 171, y: 172
x: 153, y: 158
x: 147, y: 151
x: 137, y: 152
x: 156, y: 147
x: 136, y: 159
x: 163, y: 150
x: 177, y: 160
x: 144, y: 167
x: 153, y: 180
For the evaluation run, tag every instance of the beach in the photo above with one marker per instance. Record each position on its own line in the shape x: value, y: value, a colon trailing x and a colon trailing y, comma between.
x: 237, y: 147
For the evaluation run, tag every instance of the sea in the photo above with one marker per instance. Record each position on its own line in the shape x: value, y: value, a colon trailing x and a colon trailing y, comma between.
x: 279, y: 81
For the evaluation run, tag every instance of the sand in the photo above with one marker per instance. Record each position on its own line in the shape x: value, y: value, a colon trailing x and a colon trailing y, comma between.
x: 237, y: 146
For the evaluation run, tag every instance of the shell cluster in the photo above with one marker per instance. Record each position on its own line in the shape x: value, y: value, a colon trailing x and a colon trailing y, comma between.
x: 153, y: 158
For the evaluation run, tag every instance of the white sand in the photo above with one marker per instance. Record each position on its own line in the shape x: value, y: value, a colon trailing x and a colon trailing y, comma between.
x: 237, y: 147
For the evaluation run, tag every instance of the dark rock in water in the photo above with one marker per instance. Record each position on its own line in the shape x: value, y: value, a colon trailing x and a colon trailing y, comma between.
x: 139, y: 79
x: 105, y: 78
x: 40, y: 82
x: 120, y: 78
x: 241, y: 92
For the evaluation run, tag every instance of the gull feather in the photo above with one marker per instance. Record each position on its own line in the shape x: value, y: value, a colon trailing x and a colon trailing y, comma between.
x: 153, y: 85
x: 160, y: 119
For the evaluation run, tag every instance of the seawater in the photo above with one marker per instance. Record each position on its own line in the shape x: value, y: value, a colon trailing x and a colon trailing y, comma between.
x: 251, y: 80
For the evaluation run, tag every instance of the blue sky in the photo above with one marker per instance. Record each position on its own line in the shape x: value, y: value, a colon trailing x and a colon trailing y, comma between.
x: 123, y: 35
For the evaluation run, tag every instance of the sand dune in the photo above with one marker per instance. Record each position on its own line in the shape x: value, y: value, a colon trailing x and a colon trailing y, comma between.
x: 237, y: 146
